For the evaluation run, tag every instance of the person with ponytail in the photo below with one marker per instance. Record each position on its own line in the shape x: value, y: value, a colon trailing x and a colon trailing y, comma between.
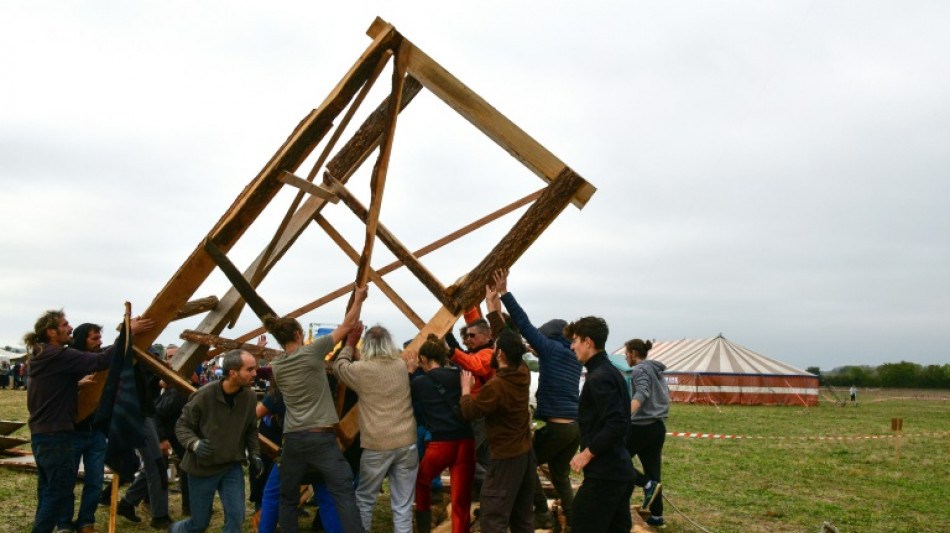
x: 648, y: 411
x: 309, y: 437
x: 52, y: 399
x: 437, y: 393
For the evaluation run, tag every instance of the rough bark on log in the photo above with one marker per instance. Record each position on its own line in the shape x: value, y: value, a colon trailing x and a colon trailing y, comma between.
x: 196, y: 307
x: 221, y: 343
x: 532, y: 223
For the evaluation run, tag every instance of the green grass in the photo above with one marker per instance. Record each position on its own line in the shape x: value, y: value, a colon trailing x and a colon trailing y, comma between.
x: 756, y: 485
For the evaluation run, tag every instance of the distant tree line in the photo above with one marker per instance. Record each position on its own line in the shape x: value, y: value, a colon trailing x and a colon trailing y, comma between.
x: 898, y: 375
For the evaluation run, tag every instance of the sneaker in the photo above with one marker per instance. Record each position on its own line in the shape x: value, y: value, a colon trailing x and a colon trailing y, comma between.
x: 650, y: 494
x: 657, y: 522
x: 125, y: 510
x: 161, y: 522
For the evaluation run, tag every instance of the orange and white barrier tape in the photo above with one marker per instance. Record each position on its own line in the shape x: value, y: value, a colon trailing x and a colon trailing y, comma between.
x: 847, y: 437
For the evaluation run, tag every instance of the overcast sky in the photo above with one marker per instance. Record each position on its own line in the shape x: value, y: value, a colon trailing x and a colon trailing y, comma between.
x: 772, y: 171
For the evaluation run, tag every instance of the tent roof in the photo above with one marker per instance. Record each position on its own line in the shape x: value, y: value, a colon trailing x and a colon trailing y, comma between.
x: 716, y: 356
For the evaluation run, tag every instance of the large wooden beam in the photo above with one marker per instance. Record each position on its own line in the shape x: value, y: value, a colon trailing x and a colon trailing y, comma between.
x: 251, y: 202
x: 398, y: 249
x: 483, y: 116
x: 373, y: 275
x: 342, y: 165
x: 377, y: 182
x: 258, y: 275
x: 238, y: 280
x: 471, y: 289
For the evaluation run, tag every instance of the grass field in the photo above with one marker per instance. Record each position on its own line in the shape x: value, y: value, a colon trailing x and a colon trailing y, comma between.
x: 779, y: 482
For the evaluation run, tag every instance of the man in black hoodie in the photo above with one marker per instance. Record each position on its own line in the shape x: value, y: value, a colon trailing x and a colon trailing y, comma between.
x: 602, y: 502
x: 52, y: 401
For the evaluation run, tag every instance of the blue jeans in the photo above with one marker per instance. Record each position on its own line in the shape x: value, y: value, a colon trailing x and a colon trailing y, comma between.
x: 230, y: 488
x: 90, y: 448
x: 56, y: 478
x: 270, y: 502
x: 400, y: 466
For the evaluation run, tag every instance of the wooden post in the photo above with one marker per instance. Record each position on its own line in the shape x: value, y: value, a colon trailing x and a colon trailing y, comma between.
x: 221, y: 343
x: 897, y: 425
x: 113, y: 501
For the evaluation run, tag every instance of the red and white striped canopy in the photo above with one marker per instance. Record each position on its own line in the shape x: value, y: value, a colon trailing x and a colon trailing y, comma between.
x: 718, y: 356
x: 719, y: 371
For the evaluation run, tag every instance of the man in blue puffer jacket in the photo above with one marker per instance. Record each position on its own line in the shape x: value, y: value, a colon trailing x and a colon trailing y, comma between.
x: 557, y: 396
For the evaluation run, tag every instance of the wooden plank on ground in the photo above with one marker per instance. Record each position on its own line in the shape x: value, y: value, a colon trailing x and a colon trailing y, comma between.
x: 9, y: 426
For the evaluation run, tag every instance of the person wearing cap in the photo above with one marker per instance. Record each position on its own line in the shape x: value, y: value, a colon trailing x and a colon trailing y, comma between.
x: 559, y: 372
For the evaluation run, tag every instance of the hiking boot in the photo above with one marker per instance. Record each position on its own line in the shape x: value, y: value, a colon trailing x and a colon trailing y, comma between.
x: 88, y: 529
x: 650, y: 492
x: 543, y: 520
x: 125, y: 510
x: 657, y: 522
x: 161, y: 522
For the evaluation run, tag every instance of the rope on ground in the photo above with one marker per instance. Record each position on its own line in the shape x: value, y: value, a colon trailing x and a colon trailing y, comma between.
x: 681, y: 513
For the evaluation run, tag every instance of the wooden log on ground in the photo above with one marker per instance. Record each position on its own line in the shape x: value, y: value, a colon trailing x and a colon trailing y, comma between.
x: 196, y: 307
x: 207, y: 339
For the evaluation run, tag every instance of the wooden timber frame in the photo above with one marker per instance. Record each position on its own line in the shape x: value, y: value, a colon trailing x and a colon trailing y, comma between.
x: 412, y: 70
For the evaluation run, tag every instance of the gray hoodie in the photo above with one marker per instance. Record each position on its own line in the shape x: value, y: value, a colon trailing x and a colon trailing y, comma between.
x: 650, y: 389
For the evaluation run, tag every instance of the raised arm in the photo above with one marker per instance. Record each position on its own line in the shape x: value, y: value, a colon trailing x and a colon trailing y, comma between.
x: 352, y: 317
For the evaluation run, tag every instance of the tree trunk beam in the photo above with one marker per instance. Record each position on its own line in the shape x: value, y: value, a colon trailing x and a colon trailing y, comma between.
x: 343, y: 164
x: 224, y: 344
x: 238, y: 280
x: 471, y: 289
x: 196, y: 307
x: 373, y: 275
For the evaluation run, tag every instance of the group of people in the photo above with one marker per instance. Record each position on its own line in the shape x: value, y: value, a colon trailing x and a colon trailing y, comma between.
x: 16, y: 374
x: 445, y: 405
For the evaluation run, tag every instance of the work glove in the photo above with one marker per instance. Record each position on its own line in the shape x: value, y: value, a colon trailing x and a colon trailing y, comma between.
x: 203, y: 449
x: 257, y: 466
x: 452, y: 342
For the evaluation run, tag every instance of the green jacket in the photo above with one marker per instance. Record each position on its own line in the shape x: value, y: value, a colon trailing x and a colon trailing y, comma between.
x: 232, y: 431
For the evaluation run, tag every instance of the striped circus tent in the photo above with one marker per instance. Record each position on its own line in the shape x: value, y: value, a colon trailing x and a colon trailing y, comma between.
x: 719, y: 371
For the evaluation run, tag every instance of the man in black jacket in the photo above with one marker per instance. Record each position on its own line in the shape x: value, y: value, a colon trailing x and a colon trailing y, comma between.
x: 602, y: 502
